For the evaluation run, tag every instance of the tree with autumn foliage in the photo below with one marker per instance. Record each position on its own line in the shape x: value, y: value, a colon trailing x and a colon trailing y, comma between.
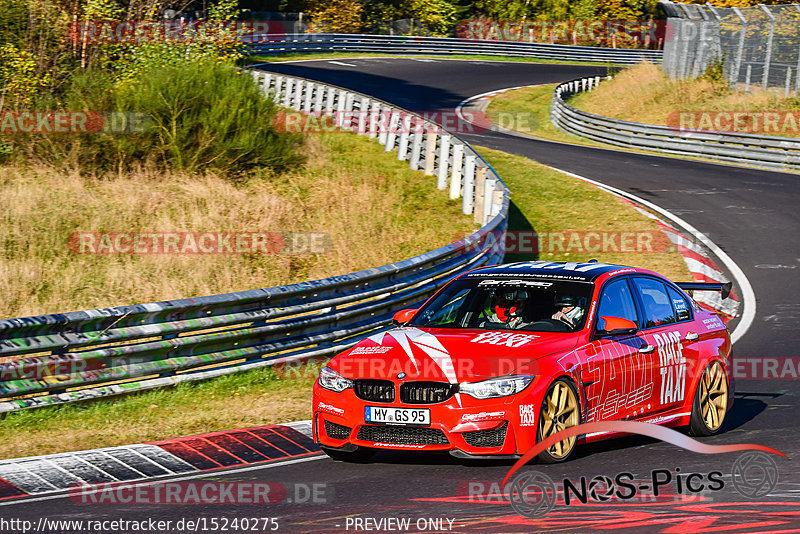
x: 335, y: 16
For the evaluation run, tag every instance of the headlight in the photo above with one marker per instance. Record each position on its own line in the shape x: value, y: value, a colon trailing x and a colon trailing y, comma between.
x: 330, y: 379
x: 496, y: 387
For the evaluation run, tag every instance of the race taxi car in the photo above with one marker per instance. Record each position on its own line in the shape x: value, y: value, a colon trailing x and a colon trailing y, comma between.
x: 504, y: 356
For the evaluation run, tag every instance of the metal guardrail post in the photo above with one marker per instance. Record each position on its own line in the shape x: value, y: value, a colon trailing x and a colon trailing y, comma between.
x: 363, y: 115
x: 416, y: 150
x: 383, y: 124
x: 391, y: 134
x: 288, y: 94
x: 480, y: 190
x: 374, y: 116
x: 308, y: 97
x: 319, y: 98
x: 797, y: 69
x: 276, y: 96
x: 747, y: 77
x: 768, y: 52
x: 488, y: 198
x: 740, y: 49
x: 405, y: 133
x: 455, y: 178
x: 444, y: 162
x: 330, y: 100
x: 468, y: 198
x: 432, y: 134
x: 297, y: 99
x: 343, y: 104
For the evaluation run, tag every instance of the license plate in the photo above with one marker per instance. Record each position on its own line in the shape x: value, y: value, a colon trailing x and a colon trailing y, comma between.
x: 397, y: 416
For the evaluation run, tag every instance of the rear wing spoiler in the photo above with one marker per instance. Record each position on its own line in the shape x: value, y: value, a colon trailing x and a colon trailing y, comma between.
x: 724, y: 289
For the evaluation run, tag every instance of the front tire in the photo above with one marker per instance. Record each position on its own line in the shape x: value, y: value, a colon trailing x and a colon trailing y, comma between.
x: 560, y: 409
x: 710, y: 401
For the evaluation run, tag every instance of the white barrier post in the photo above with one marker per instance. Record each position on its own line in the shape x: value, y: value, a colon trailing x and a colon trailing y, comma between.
x: 480, y: 190
x: 416, y: 149
x: 363, y: 115
x: 430, y: 148
x: 391, y: 134
x: 276, y: 97
x: 298, y: 95
x: 455, y: 179
x: 320, y: 95
x: 405, y: 133
x: 444, y: 162
x: 488, y: 193
x: 468, y: 198
x: 330, y: 101
x: 287, y: 93
x: 383, y: 124
x: 373, y: 116
x: 308, y: 96
x: 341, y: 108
x: 497, y: 202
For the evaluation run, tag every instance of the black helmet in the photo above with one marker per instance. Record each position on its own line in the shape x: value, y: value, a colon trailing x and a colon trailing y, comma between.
x: 566, y: 300
x: 511, y: 295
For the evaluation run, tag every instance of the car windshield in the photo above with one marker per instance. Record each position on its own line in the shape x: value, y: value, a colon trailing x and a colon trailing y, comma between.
x: 538, y: 305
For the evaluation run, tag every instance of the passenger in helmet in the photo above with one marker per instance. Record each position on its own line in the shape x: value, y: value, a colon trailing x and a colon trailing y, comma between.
x: 567, y: 310
x: 507, y: 307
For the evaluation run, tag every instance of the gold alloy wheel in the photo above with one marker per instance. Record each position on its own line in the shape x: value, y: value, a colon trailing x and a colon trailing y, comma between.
x: 559, y: 411
x: 713, y: 396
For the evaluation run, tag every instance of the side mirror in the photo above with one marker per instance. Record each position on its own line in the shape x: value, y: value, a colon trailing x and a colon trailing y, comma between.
x: 616, y: 326
x: 403, y: 316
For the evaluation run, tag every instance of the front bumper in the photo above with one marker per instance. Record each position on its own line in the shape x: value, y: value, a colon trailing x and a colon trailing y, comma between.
x: 462, y: 425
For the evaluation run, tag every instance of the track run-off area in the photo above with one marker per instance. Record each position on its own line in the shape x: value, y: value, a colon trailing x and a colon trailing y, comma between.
x: 753, y: 216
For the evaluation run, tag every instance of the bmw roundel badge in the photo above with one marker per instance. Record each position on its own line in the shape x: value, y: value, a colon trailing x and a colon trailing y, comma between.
x: 401, y: 375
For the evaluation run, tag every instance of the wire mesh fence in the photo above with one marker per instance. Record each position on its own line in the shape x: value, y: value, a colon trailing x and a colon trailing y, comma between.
x: 756, y: 46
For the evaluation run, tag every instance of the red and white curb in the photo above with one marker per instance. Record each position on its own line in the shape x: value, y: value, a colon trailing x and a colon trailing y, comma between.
x: 54, y: 473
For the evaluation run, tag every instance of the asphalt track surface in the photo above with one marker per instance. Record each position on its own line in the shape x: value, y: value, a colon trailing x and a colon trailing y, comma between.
x: 754, y: 216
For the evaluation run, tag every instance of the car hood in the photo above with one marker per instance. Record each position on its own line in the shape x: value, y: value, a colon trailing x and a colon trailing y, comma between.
x: 443, y: 354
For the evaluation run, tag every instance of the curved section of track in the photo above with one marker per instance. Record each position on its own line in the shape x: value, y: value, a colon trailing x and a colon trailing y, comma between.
x: 750, y: 214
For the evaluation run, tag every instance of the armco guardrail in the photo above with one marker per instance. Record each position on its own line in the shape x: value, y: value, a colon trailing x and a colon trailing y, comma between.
x: 388, y: 44
x: 68, y: 357
x: 759, y: 150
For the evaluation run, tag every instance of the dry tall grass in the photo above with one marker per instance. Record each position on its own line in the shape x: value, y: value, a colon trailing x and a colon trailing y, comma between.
x: 375, y: 209
x: 644, y: 94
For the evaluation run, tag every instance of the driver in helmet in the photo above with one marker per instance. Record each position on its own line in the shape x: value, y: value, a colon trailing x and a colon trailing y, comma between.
x: 567, y: 310
x: 507, y: 307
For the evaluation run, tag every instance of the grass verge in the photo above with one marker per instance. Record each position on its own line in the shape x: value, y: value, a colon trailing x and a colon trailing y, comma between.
x: 349, y: 189
x: 543, y: 199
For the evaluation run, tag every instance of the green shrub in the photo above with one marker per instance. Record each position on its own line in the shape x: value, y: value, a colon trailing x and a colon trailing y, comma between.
x: 196, y: 116
x: 206, y: 114
x: 715, y: 72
